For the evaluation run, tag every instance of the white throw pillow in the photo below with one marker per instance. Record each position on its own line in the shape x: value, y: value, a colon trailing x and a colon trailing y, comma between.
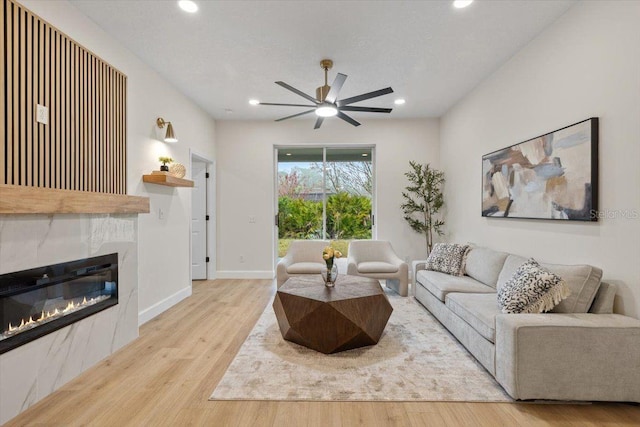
x: 532, y: 289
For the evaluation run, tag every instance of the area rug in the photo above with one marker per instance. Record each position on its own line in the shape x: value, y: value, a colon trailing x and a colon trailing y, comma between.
x: 416, y: 359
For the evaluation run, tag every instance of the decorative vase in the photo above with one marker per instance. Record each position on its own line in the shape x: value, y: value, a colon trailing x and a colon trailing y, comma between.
x: 329, y: 275
x: 178, y: 170
x: 164, y: 168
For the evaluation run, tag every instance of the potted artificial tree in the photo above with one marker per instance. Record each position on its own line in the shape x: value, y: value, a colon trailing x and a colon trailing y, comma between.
x: 423, y: 199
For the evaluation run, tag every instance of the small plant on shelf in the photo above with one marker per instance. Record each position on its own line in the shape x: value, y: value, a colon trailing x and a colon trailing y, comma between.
x: 164, y: 161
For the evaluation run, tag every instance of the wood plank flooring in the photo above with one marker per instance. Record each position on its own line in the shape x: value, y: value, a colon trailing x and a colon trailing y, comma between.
x: 166, y: 376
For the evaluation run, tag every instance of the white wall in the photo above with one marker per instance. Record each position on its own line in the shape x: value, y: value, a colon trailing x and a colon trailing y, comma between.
x: 164, y: 267
x: 586, y: 64
x: 246, y: 182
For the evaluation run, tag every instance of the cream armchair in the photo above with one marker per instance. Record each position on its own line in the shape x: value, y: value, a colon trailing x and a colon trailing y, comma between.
x: 376, y: 259
x: 303, y: 257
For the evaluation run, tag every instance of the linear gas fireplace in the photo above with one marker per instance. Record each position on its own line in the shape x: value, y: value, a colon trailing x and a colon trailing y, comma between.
x: 41, y: 300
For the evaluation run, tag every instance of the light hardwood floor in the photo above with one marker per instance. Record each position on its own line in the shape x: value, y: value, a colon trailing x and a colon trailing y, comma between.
x: 166, y: 376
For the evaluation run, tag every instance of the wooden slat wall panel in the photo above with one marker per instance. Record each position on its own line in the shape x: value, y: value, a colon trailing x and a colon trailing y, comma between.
x: 84, y: 145
x: 3, y: 91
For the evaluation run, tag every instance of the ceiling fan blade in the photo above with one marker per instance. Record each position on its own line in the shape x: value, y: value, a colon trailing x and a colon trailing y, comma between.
x: 364, y: 96
x: 296, y: 91
x: 335, y: 88
x: 366, y: 109
x: 319, y: 122
x: 347, y: 119
x: 287, y: 105
x: 295, y: 115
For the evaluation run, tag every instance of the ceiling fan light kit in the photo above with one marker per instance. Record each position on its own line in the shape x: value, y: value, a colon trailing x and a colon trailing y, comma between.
x: 326, y: 111
x: 326, y: 103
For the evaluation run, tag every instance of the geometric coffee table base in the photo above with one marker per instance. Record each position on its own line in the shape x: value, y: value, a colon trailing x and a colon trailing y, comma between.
x: 352, y: 314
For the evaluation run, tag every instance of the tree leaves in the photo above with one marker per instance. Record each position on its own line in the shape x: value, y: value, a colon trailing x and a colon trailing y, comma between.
x: 348, y: 217
x: 423, y: 199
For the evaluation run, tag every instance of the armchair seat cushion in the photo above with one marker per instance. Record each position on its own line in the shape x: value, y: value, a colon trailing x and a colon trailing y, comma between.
x: 306, y: 268
x: 377, y: 259
x: 373, y: 267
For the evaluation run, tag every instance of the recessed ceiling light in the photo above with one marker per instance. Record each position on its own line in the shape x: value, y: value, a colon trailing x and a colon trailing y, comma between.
x: 288, y: 154
x: 188, y: 6
x: 365, y: 155
x: 459, y: 4
x: 254, y: 102
x: 399, y: 101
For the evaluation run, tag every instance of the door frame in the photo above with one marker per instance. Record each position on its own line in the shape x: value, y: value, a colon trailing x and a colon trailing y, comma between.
x: 211, y: 211
x: 374, y: 206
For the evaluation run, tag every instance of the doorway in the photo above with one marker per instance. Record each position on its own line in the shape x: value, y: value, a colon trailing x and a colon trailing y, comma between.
x: 324, y: 193
x: 202, y: 217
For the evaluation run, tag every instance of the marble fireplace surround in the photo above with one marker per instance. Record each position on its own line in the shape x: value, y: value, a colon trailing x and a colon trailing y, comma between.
x: 33, y: 371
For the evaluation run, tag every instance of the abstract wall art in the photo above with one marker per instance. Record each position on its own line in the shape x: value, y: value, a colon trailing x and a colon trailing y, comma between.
x: 553, y: 176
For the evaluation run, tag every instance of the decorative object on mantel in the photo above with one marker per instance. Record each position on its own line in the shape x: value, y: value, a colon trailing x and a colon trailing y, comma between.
x: 164, y: 161
x: 552, y: 176
x: 330, y: 274
x: 178, y: 170
x: 170, y: 136
x: 423, y: 200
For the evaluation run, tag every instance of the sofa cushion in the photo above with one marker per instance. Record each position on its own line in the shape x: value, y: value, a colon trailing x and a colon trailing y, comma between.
x: 478, y: 310
x: 532, y: 289
x: 306, y: 268
x: 448, y: 258
x: 604, y: 299
x: 440, y: 284
x: 377, y: 267
x: 510, y: 266
x: 484, y: 265
x: 582, y: 280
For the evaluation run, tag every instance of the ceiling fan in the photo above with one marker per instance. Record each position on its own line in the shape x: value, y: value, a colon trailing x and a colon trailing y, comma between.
x: 326, y: 102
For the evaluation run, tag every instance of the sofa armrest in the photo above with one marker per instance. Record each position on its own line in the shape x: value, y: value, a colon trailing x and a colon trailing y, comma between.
x: 579, y: 356
x: 417, y: 265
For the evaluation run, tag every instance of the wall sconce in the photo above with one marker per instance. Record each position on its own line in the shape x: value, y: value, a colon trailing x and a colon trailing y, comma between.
x: 169, y: 136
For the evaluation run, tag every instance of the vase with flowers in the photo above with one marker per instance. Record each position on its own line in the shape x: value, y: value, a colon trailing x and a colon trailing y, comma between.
x: 330, y: 274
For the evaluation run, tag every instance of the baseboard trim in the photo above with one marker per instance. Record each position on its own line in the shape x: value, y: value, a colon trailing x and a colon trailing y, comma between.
x: 161, y: 306
x: 245, y: 275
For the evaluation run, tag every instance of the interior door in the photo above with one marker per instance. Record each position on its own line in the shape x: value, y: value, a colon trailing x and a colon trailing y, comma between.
x: 199, y: 221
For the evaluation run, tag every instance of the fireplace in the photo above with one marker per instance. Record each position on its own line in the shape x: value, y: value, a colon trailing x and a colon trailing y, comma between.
x: 41, y: 300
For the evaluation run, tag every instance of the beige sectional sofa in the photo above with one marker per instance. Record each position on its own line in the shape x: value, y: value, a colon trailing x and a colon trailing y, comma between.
x: 579, y: 351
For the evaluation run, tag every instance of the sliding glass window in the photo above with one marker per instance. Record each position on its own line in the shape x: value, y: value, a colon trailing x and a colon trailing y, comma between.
x: 324, y: 193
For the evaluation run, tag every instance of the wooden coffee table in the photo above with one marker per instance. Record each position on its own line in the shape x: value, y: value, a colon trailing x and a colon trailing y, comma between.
x: 352, y: 314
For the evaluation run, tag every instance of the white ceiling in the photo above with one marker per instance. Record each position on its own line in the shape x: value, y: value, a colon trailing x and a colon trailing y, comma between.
x: 430, y: 53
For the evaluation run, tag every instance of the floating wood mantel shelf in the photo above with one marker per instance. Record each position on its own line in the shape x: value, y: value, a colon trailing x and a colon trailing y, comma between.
x: 168, y: 180
x: 17, y: 199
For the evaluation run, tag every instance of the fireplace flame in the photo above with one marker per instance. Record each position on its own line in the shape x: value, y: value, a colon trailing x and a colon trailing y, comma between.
x: 48, y: 316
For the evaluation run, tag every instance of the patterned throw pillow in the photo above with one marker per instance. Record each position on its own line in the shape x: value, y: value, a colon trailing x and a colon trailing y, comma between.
x: 448, y: 258
x: 532, y: 289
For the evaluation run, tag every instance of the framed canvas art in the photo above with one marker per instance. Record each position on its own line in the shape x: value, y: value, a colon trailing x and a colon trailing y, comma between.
x: 553, y: 176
